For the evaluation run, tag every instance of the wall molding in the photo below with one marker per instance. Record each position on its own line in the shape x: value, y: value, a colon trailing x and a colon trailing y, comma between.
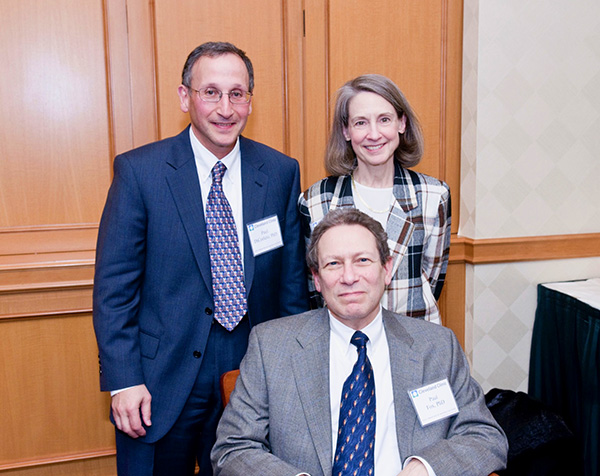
x: 47, y: 314
x: 536, y: 248
x: 34, y: 240
x: 100, y: 453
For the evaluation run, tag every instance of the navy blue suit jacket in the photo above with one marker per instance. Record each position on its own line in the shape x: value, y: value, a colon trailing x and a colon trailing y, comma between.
x: 153, y: 291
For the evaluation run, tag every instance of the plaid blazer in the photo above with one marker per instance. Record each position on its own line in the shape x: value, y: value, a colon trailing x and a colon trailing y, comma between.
x: 418, y: 230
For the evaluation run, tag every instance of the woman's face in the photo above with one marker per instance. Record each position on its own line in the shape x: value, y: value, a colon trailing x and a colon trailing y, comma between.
x: 373, y: 129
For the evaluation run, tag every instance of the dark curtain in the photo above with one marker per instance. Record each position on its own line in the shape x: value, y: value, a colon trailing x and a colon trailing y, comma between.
x: 564, y: 367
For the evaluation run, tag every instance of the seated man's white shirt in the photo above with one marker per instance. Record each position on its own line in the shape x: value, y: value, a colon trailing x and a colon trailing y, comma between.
x: 342, y: 357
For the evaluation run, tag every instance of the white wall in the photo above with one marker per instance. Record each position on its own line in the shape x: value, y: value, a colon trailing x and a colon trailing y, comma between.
x: 530, y: 161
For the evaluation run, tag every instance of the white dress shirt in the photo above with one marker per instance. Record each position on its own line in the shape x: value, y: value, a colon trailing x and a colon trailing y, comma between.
x: 232, y: 181
x: 342, y: 357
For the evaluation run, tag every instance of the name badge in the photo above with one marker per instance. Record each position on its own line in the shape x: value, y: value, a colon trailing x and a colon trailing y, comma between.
x: 433, y: 402
x: 265, y: 235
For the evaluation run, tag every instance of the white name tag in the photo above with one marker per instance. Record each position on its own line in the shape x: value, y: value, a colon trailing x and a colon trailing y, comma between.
x: 265, y: 235
x: 434, y: 402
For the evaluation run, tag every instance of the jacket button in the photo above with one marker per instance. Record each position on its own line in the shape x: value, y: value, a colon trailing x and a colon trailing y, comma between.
x: 197, y: 354
x: 208, y: 311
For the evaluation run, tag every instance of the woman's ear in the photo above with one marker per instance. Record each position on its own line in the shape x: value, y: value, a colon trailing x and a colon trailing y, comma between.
x: 402, y: 126
x: 346, y: 135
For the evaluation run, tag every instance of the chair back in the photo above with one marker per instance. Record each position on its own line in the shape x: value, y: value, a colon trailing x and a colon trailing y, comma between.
x: 228, y: 380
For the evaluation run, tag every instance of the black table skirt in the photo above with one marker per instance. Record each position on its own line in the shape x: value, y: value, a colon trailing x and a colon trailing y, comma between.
x: 564, y: 370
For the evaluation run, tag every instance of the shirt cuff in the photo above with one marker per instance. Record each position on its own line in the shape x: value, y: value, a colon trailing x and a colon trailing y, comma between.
x: 428, y: 467
x: 114, y: 392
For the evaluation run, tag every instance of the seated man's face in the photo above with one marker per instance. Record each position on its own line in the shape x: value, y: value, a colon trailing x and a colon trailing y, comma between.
x: 351, y: 277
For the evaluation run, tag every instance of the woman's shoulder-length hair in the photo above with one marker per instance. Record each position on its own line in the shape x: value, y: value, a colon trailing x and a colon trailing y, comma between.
x: 339, y: 157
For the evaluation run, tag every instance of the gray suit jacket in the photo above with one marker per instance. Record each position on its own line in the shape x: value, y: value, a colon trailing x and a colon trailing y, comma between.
x: 278, y: 421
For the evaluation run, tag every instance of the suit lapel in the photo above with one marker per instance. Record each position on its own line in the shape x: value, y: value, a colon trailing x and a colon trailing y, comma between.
x: 254, y: 194
x: 311, y: 373
x: 182, y: 179
x: 407, y: 373
x: 399, y: 229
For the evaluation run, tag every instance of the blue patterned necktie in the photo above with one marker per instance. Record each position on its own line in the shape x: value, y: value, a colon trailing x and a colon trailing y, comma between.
x: 229, y: 291
x: 355, y: 449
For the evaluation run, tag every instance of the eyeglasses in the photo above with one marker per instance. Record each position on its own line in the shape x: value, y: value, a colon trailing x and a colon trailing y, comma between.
x: 236, y: 96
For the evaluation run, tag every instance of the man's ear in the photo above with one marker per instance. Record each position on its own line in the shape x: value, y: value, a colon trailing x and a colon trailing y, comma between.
x: 184, y: 98
x: 388, y: 266
x: 315, y: 276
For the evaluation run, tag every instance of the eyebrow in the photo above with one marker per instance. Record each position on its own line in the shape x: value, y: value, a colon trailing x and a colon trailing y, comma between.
x: 337, y: 257
x: 354, y: 118
x: 216, y: 86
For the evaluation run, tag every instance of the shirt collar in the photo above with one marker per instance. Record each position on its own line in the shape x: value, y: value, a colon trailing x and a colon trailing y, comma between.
x: 206, y: 160
x: 342, y: 333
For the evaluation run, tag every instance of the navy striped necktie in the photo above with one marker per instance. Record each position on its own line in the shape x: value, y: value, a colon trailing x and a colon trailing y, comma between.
x: 355, y: 449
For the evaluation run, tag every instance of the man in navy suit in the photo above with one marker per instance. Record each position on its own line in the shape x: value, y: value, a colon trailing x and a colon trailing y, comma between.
x: 161, y: 347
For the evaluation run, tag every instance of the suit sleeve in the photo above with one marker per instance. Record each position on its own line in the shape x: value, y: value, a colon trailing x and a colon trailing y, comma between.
x: 294, y: 292
x: 475, y: 444
x: 436, y: 249
x: 120, y: 257
x: 242, y: 446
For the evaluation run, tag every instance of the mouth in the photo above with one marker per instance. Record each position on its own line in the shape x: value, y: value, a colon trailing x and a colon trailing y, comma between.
x: 351, y: 295
x: 374, y: 147
x: 224, y: 125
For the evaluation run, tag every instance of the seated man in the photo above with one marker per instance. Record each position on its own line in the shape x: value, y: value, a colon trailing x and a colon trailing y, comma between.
x: 305, y: 403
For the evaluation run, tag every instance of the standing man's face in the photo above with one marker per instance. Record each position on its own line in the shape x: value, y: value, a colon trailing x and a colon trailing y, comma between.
x: 351, y: 277
x: 217, y: 125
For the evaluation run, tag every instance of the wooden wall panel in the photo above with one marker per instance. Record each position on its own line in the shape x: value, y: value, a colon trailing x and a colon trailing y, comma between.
x: 53, y: 113
x: 50, y: 395
x: 316, y: 92
x: 451, y: 103
x: 130, y: 59
x: 452, y: 301
x: 88, y: 465
x: 56, y: 147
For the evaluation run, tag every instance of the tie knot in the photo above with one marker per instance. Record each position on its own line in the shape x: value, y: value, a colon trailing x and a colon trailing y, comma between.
x: 359, y: 339
x: 218, y: 171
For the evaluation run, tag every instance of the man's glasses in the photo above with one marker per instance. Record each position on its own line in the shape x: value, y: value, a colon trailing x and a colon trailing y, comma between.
x: 236, y: 96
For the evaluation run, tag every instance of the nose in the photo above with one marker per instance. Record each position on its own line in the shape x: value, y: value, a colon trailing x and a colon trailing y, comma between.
x: 349, y: 275
x: 373, y: 131
x: 224, y: 106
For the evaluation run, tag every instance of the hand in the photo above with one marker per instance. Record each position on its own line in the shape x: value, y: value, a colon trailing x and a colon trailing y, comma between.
x: 414, y: 468
x: 126, y: 408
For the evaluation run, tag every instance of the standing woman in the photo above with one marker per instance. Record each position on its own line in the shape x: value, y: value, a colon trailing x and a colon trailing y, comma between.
x: 375, y: 137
